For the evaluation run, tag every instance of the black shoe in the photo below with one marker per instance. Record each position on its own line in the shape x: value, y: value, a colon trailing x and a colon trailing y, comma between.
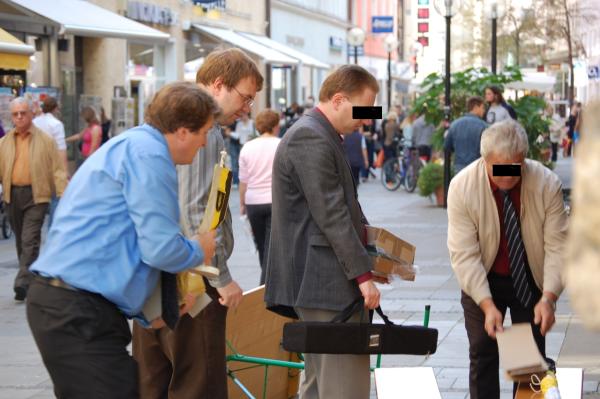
x: 20, y: 293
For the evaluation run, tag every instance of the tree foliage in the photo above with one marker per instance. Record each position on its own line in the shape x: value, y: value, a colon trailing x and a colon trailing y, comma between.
x: 472, y: 82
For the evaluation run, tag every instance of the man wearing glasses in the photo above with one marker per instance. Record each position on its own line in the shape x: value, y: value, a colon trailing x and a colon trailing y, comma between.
x: 31, y: 172
x: 506, y: 232
x: 189, y: 361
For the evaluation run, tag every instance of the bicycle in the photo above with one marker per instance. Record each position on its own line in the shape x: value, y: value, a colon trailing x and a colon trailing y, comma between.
x: 4, y: 223
x: 403, y: 169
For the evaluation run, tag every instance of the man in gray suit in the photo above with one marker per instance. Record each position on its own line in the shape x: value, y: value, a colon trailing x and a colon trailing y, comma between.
x: 317, y: 263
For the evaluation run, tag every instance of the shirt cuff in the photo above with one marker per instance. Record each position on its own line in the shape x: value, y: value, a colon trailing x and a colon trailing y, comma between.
x: 364, y: 277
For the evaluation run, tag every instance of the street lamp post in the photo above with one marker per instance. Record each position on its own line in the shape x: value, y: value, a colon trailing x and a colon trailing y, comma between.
x: 390, y: 44
x: 495, y: 9
x: 356, y: 38
x: 447, y: 8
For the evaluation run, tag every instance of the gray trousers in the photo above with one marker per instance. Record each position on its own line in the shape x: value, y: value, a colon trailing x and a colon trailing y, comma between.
x: 26, y: 219
x: 334, y: 376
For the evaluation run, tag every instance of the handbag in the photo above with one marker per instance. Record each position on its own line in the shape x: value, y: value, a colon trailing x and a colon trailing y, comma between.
x: 341, y: 337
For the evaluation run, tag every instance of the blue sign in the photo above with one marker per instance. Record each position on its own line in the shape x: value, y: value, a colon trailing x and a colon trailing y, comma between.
x: 382, y: 24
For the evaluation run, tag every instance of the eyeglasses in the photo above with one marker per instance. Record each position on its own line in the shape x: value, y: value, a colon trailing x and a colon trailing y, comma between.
x: 249, y: 101
x: 19, y: 113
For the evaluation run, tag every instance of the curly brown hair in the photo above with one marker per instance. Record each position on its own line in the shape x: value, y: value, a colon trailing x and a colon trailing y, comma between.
x: 266, y: 121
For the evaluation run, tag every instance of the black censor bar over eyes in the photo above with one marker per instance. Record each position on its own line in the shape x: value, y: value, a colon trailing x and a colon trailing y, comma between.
x: 366, y: 112
x: 513, y: 169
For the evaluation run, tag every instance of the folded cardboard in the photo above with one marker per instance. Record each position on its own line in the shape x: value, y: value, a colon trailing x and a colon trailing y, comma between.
x: 519, y: 354
x: 391, y: 255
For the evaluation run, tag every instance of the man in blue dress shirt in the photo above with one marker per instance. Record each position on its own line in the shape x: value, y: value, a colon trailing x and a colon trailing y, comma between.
x: 115, y: 230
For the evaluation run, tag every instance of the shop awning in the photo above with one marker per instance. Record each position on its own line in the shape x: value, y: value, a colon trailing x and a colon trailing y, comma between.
x: 235, y: 39
x: 534, y: 81
x: 305, y: 59
x: 14, y: 54
x: 82, y: 18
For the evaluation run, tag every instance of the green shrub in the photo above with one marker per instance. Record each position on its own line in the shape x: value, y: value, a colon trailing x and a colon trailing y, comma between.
x: 431, y: 177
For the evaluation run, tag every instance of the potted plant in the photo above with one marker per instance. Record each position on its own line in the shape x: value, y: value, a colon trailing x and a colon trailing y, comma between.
x: 431, y: 180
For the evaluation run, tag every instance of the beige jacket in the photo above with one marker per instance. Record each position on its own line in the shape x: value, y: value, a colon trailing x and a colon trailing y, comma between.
x: 47, y: 169
x: 474, y: 227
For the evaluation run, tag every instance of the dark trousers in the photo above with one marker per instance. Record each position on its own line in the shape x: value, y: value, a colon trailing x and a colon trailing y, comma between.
x: 554, y: 152
x: 483, y: 351
x: 234, y: 152
x: 26, y: 219
x: 356, y: 174
x: 260, y: 221
x: 83, y: 341
x: 188, y: 362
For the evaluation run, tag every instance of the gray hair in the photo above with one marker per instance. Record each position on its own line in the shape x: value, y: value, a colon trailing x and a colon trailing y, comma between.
x: 20, y: 101
x: 507, y: 139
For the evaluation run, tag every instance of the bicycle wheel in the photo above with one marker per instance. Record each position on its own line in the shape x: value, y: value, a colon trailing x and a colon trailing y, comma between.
x: 410, y: 180
x: 6, y: 230
x: 391, y: 177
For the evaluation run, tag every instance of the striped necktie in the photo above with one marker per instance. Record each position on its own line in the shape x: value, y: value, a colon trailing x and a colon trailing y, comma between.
x: 516, y: 252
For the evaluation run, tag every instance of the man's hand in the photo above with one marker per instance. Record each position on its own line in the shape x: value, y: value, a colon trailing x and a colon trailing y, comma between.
x: 493, y: 317
x: 381, y: 279
x: 231, y: 295
x: 207, y: 243
x: 370, y: 293
x: 543, y: 313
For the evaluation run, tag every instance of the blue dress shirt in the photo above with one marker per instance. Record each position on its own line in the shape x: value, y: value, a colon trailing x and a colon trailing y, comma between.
x: 117, y: 224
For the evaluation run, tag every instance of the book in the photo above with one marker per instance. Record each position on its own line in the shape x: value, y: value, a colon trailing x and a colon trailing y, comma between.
x: 519, y: 354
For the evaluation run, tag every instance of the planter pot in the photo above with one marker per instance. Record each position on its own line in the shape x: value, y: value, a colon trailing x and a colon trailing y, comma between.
x: 439, y: 196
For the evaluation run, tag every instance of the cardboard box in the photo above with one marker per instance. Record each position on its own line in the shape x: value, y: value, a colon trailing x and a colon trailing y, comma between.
x: 391, y: 255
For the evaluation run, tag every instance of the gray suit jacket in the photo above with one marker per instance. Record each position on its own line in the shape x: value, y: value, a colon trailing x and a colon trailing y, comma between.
x: 316, y: 248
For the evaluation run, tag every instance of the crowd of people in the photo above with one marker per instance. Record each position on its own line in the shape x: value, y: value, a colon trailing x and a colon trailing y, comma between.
x: 111, y: 244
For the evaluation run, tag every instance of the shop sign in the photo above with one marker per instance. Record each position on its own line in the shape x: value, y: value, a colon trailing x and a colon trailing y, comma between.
x: 151, y: 13
x: 382, y: 24
x: 594, y: 72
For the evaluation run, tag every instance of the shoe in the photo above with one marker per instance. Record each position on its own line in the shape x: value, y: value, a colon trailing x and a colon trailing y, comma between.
x: 20, y: 293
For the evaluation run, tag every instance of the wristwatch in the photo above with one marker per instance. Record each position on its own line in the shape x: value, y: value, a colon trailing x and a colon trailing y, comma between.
x: 549, y: 301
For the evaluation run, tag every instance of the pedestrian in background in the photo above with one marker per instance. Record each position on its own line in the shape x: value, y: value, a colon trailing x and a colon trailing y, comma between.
x: 556, y: 130
x: 31, y: 172
x: 504, y: 258
x: 256, y: 168
x: 464, y: 134
x: 498, y: 109
x: 355, y: 147
x: 391, y: 133
x: 91, y: 136
x: 189, y: 361
x: 49, y: 123
x: 317, y: 262
x: 422, y: 134
x: 242, y: 131
x: 105, y: 123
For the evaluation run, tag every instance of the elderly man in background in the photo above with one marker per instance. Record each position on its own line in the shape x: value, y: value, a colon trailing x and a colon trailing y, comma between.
x: 49, y: 123
x: 506, y: 231
x: 31, y: 173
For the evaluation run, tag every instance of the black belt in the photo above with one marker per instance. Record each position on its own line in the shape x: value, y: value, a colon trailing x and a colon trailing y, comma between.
x: 55, y: 282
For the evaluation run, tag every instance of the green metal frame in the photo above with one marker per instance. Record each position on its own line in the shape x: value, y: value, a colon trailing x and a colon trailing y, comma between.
x: 266, y: 363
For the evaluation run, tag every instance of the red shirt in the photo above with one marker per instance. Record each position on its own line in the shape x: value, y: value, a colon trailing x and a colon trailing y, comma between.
x: 501, y: 264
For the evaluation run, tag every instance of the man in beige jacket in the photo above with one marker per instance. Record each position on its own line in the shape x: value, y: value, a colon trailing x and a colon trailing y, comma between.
x: 31, y: 171
x: 506, y: 232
